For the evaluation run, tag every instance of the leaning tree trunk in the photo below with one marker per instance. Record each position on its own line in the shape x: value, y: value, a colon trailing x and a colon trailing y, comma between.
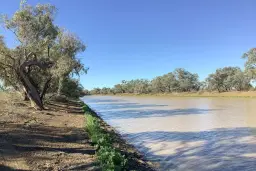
x: 32, y: 92
x: 45, y: 88
x: 30, y: 89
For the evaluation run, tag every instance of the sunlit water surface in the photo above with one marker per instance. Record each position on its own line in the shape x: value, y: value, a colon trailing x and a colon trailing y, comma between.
x: 196, y: 134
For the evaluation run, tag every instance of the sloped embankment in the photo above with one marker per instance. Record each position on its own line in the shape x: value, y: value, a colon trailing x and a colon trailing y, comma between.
x: 111, y: 147
x: 53, y: 139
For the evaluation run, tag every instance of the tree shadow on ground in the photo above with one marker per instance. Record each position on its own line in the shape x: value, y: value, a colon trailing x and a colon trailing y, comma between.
x: 6, y: 168
x: 33, y: 135
x: 28, y: 140
x: 81, y: 167
x: 214, y: 150
x: 60, y: 147
x: 18, y: 140
x: 66, y: 107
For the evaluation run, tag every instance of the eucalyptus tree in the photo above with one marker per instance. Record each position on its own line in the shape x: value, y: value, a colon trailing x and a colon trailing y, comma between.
x: 186, y: 81
x: 72, y: 88
x: 215, y: 81
x: 118, y: 88
x: 169, y: 82
x: 141, y: 86
x: 128, y: 86
x: 105, y: 90
x: 241, y: 81
x: 250, y: 64
x: 66, y: 48
x: 157, y: 85
x: 110, y: 91
x: 228, y: 78
x: 95, y: 91
x: 45, y: 53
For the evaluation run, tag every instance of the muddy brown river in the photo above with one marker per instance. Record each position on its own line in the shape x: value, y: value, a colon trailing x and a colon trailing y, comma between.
x: 185, y: 134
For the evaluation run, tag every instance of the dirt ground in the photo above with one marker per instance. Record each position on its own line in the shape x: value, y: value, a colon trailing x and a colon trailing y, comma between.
x: 53, y: 139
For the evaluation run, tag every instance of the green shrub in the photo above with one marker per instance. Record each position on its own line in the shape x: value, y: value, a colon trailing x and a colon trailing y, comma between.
x: 103, y: 140
x: 93, y: 125
x: 72, y: 88
x: 109, y: 158
x: 86, y: 108
x: 60, y: 98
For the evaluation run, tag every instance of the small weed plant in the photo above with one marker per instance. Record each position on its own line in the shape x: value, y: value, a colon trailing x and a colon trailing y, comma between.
x: 110, y: 159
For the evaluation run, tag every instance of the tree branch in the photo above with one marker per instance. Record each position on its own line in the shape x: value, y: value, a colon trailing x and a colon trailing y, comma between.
x: 40, y: 64
x: 46, y: 86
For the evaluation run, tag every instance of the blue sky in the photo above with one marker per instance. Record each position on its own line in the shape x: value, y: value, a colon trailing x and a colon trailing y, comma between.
x: 147, y: 38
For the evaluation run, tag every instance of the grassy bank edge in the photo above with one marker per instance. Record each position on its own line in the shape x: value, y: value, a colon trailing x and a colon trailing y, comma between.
x: 109, y: 142
x: 109, y: 157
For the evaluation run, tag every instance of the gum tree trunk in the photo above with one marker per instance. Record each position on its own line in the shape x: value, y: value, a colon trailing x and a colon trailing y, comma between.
x: 30, y: 89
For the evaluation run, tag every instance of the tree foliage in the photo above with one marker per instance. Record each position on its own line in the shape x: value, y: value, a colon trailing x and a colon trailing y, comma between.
x: 72, y: 88
x: 227, y: 79
x: 178, y: 81
x: 187, y: 81
x: 250, y: 64
x: 45, y: 52
x: 223, y: 80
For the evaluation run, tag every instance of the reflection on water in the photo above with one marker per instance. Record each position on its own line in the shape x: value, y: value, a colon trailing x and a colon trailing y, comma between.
x: 186, y: 133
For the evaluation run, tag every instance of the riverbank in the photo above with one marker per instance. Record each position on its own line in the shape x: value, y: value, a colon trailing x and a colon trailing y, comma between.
x: 106, y: 137
x: 52, y: 139
x: 235, y: 94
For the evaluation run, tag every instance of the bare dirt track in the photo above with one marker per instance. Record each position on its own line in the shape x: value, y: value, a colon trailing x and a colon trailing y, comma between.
x: 53, y: 139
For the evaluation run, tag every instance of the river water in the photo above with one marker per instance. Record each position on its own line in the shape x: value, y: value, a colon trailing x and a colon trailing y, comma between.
x: 185, y: 134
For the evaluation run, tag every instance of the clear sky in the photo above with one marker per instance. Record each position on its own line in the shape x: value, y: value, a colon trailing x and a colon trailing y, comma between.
x: 147, y: 38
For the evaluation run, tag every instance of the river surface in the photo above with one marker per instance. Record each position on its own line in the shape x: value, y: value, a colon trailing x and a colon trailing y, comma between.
x: 185, y: 134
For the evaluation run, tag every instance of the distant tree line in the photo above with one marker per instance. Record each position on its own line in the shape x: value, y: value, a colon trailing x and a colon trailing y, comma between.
x: 180, y: 80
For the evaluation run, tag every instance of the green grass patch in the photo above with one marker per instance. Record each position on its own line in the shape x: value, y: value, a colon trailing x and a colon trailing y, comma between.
x: 110, y: 158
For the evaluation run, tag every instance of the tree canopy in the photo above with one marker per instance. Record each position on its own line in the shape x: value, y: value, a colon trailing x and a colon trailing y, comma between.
x: 228, y: 78
x: 45, y: 54
x: 250, y: 64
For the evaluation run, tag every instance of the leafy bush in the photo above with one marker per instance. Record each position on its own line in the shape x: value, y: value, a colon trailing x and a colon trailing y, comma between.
x: 101, y: 140
x: 109, y: 158
x: 72, y: 88
x: 60, y: 98
x: 86, y: 108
